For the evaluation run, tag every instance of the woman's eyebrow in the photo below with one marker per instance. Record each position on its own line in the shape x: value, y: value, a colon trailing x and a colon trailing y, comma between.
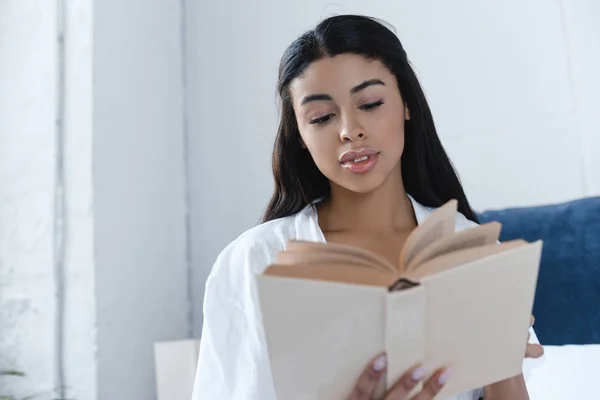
x: 354, y: 90
x: 316, y: 97
x: 365, y: 85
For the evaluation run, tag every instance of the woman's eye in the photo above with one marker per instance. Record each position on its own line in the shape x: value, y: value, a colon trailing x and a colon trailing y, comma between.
x: 371, y: 106
x: 321, y: 120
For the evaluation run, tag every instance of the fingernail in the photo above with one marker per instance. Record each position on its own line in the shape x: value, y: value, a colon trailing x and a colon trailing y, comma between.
x: 380, y: 363
x: 443, y: 378
x: 418, y: 374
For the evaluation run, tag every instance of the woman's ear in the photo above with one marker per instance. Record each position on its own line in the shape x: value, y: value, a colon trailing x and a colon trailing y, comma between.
x: 406, y: 113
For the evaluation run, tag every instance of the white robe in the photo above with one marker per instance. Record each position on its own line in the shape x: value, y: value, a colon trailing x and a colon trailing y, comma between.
x: 233, y: 361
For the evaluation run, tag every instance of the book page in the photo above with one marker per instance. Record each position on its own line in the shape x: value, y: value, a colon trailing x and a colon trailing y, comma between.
x: 439, y: 224
x: 325, y: 257
x: 320, y: 335
x: 298, y: 246
x: 292, y: 258
x: 459, y: 258
x: 478, y: 318
x: 480, y: 235
x: 335, y: 272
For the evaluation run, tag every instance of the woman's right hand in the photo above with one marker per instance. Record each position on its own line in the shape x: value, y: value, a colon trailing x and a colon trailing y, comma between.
x: 365, y: 386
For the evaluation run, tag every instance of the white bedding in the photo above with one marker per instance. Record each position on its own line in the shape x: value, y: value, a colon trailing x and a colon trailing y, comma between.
x: 567, y: 373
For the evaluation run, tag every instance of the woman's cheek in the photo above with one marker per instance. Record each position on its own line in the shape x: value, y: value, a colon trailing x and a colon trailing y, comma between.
x: 325, y: 157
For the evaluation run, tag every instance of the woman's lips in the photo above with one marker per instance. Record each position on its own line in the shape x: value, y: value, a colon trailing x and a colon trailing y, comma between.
x: 360, y: 163
x: 356, y: 154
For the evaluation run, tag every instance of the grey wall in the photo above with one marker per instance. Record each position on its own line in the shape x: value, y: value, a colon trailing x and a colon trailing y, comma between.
x: 139, y: 191
x: 231, y: 72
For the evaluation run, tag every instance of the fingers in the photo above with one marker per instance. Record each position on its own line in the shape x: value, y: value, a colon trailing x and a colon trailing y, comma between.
x: 406, y: 384
x: 433, y: 386
x: 369, y: 378
x: 408, y: 381
x: 534, y: 350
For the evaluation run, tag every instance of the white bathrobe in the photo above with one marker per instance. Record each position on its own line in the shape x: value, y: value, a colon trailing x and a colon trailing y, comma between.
x: 233, y: 362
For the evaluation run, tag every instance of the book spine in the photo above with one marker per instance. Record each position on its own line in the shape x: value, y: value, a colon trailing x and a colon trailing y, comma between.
x: 405, y: 331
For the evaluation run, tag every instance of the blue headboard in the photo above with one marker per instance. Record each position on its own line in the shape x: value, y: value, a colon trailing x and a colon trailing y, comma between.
x: 567, y: 301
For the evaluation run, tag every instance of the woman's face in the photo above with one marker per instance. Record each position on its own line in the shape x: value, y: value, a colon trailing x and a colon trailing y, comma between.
x: 351, y: 119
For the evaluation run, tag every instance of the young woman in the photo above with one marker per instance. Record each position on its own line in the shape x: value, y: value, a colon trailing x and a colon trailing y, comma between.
x: 357, y: 160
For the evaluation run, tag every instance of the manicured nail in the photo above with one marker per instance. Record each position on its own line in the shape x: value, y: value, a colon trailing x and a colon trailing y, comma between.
x: 418, y: 374
x: 380, y: 363
x: 443, y: 378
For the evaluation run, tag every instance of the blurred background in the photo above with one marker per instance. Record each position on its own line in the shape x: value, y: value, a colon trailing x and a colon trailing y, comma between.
x: 135, y: 141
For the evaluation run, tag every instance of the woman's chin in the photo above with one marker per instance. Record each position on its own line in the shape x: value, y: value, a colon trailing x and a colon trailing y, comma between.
x: 365, y: 187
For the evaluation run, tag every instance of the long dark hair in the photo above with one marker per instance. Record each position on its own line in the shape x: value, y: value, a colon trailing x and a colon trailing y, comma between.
x: 427, y: 173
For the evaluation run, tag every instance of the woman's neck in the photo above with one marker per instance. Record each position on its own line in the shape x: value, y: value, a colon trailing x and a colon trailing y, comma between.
x: 387, y: 209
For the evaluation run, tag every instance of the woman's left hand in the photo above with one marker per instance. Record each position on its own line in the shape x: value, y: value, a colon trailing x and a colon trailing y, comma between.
x: 533, y: 350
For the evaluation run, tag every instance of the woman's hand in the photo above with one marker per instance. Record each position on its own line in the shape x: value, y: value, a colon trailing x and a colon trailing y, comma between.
x: 365, y: 386
x: 533, y: 350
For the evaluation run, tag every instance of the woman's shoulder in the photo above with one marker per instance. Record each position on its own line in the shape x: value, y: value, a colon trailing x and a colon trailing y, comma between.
x: 271, y: 234
x: 253, y: 250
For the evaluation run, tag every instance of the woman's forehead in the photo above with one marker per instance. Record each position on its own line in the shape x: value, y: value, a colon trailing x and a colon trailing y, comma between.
x: 338, y: 74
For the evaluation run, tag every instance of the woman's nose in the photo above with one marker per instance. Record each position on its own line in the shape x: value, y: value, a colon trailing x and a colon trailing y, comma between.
x: 352, y: 133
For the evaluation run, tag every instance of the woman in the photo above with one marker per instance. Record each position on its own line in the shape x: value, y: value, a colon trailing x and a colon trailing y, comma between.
x: 357, y: 160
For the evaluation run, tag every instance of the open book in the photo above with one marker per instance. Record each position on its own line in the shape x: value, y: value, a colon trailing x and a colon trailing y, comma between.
x: 459, y: 300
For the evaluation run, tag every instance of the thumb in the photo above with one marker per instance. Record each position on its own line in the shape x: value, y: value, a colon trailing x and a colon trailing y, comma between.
x: 534, y: 350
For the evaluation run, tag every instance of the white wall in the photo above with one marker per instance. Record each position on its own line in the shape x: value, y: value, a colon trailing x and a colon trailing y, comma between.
x: 517, y: 133
x: 27, y: 102
x: 28, y: 108
x: 125, y: 273
x: 582, y: 25
x: 80, y: 317
x: 512, y: 85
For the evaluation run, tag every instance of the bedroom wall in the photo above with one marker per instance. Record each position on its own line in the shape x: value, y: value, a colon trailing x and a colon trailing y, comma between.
x: 512, y: 85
